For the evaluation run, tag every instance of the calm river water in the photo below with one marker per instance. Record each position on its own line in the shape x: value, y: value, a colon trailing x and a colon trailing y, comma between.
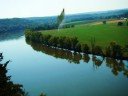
x: 61, y: 73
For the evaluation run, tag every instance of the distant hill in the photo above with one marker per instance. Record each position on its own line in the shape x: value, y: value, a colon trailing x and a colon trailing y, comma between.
x: 23, y: 23
x: 112, y: 14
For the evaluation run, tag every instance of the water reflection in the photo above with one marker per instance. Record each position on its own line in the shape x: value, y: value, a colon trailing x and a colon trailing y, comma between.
x: 58, y: 53
x: 117, y: 66
x: 97, y: 61
x: 86, y: 58
x: 11, y: 35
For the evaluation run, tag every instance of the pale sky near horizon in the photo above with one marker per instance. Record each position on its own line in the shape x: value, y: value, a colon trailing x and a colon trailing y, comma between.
x: 40, y: 8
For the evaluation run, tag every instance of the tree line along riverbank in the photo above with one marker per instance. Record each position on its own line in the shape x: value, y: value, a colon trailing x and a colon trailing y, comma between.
x: 113, y: 50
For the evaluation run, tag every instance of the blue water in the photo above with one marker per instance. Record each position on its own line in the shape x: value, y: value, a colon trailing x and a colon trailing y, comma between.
x: 39, y: 72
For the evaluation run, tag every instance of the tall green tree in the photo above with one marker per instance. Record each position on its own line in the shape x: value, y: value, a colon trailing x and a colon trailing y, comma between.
x: 60, y: 18
x: 74, y: 41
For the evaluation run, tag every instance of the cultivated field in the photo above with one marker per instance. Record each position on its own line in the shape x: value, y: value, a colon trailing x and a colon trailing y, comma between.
x: 103, y: 33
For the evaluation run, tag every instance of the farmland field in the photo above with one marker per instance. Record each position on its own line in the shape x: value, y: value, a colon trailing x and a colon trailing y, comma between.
x: 103, y: 33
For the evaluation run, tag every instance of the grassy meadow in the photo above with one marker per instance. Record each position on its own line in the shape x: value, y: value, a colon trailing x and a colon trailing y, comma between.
x: 103, y: 33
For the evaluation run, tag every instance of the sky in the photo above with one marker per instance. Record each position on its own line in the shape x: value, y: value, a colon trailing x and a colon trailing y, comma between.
x: 41, y: 8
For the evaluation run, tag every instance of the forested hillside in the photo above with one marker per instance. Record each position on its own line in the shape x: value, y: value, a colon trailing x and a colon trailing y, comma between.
x: 46, y: 23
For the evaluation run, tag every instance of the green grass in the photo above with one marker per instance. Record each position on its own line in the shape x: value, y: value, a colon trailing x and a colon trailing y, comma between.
x: 103, y: 34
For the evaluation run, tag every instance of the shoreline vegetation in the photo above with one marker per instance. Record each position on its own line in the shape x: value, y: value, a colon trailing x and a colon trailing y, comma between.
x: 72, y: 43
x: 113, y: 50
x: 7, y: 87
x: 116, y: 66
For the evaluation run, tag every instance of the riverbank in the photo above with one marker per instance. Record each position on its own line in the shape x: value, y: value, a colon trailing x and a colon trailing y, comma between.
x: 103, y: 33
x: 76, y: 58
x: 107, y: 40
x: 113, y: 50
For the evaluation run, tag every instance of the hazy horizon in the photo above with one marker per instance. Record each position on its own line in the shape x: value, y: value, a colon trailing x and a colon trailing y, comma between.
x: 43, y: 8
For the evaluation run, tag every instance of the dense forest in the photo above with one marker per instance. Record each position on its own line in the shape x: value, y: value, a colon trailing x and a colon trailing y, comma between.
x: 47, y: 23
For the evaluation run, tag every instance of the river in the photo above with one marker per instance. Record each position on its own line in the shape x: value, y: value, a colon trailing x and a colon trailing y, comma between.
x: 57, y: 73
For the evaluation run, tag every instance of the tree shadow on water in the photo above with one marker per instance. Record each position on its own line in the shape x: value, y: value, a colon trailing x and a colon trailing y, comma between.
x: 117, y: 66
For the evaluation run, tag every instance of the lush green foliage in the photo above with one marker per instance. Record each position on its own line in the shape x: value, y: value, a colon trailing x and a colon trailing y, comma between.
x: 85, y: 48
x: 103, y: 33
x: 104, y: 22
x: 60, y: 42
x: 114, y: 50
x: 7, y: 87
x: 120, y: 24
x: 71, y: 43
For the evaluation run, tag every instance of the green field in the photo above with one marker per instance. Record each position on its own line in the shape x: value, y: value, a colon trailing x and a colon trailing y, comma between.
x: 103, y: 33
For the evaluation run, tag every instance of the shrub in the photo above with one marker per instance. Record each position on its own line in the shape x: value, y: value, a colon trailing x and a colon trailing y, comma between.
x: 51, y: 41
x: 56, y: 41
x: 114, y: 50
x: 117, y: 51
x: 97, y: 50
x: 61, y: 42
x: 72, y: 25
x: 42, y: 38
x: 85, y: 48
x: 104, y: 22
x: 120, y: 24
x: 67, y: 42
x: 108, y: 51
x: 36, y: 36
x: 78, y: 47
x: 46, y: 39
x: 127, y: 23
x: 74, y: 41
